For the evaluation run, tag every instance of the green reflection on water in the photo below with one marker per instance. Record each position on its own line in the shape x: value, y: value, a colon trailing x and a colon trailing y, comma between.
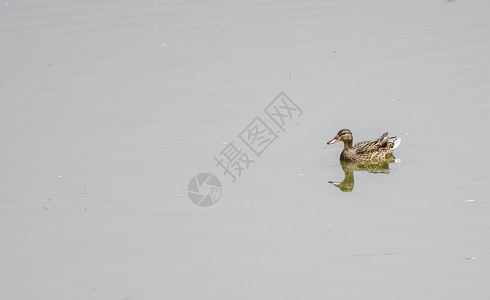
x: 377, y: 166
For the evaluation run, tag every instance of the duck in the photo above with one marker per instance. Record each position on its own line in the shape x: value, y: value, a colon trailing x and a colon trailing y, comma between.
x: 378, y: 149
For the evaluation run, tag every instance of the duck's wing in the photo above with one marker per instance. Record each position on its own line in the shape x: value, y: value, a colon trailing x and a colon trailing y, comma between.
x: 369, y: 146
x: 366, y: 146
x: 383, y: 139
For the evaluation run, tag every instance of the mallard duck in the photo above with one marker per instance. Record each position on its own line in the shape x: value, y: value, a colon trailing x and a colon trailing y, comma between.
x: 380, y: 148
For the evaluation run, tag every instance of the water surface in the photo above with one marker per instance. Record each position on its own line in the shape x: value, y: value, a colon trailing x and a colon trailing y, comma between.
x: 109, y: 109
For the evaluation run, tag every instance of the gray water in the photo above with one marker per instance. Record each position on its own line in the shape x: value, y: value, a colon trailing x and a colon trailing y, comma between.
x: 109, y: 109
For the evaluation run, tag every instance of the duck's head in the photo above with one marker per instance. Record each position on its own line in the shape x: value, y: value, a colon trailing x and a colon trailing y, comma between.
x: 343, y: 135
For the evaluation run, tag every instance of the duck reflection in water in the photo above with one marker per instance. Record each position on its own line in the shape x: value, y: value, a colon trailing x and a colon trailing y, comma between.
x: 378, y: 166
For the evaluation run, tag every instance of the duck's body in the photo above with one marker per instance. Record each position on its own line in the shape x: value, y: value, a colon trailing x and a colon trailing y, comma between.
x: 380, y: 148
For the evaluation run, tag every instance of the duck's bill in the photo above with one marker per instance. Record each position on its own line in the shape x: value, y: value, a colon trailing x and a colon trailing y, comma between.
x: 333, y: 141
